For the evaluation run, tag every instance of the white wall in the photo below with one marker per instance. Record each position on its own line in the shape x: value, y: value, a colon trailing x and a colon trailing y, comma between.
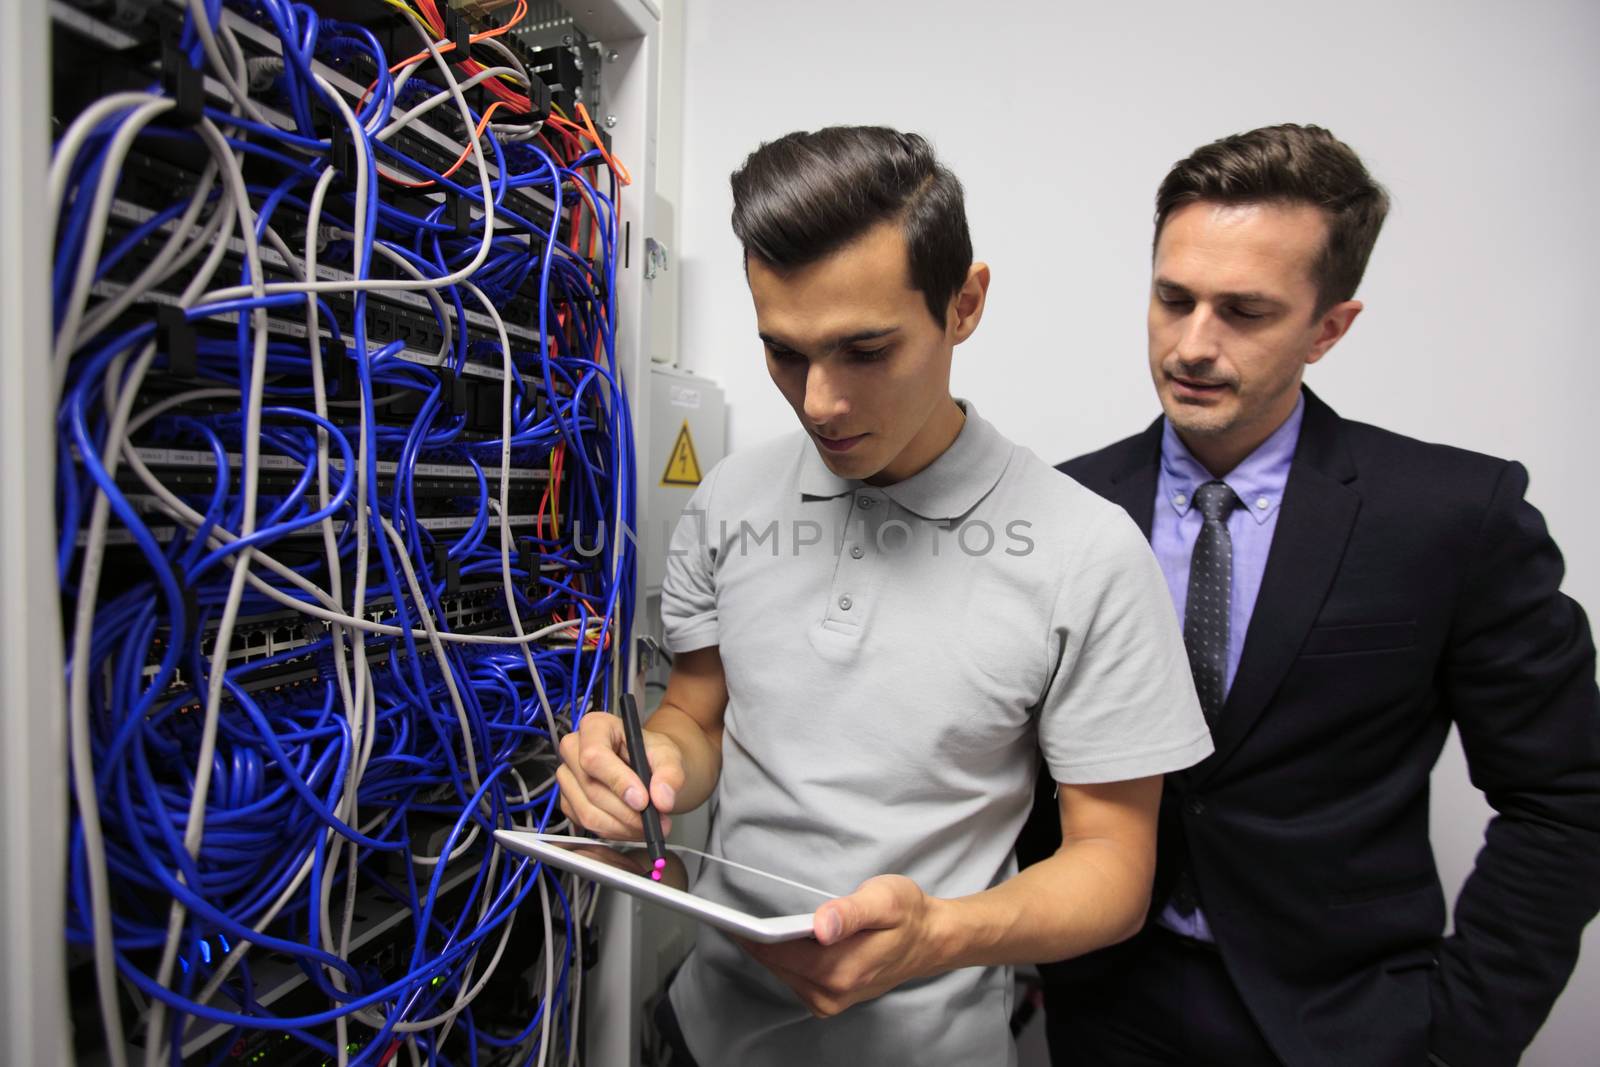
x: 1482, y: 118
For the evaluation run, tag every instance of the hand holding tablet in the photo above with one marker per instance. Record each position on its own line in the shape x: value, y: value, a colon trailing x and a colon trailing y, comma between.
x: 619, y: 781
x: 753, y: 904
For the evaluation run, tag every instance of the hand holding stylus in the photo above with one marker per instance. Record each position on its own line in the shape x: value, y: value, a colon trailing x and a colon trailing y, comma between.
x: 600, y: 790
x: 634, y: 733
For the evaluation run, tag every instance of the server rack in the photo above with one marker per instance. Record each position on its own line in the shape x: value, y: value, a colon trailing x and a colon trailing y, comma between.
x: 34, y: 1004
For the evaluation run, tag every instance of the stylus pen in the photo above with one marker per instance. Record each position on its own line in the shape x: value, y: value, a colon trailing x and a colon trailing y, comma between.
x: 641, y: 767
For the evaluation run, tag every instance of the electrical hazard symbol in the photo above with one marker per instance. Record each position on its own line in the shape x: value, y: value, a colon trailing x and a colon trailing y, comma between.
x: 683, y: 467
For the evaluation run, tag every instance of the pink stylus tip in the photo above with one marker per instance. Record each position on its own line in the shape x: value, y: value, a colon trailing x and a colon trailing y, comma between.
x: 661, y: 863
x: 655, y: 876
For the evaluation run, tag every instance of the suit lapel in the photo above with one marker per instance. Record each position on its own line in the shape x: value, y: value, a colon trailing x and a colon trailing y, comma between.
x: 1319, y: 510
x: 1134, y: 487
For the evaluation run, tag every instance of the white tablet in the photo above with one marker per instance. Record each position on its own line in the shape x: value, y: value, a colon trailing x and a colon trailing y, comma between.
x: 741, y: 900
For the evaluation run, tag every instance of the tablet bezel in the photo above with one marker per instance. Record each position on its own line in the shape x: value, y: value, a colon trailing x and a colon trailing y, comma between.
x: 544, y: 847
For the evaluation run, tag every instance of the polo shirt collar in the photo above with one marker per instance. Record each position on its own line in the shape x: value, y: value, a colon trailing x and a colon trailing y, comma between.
x: 947, y: 488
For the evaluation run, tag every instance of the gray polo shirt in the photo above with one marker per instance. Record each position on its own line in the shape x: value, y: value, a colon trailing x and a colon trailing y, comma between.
x: 896, y: 659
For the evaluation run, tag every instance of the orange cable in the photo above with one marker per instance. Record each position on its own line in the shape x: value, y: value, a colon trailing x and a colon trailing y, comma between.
x: 616, y: 168
x: 466, y: 152
x: 449, y: 46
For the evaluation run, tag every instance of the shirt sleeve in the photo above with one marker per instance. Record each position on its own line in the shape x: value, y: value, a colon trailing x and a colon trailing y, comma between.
x: 689, y: 586
x: 1120, y: 703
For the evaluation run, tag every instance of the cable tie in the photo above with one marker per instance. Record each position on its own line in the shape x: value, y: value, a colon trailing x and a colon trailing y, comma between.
x: 446, y: 568
x: 591, y: 948
x: 538, y: 106
x: 459, y: 211
x: 452, y: 390
x: 342, y: 153
x: 183, y: 83
x: 460, y: 34
x: 175, y: 335
x: 486, y: 407
x: 348, y: 385
x: 525, y: 558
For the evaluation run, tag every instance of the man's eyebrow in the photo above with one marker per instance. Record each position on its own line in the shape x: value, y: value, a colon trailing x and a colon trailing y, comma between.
x: 837, y: 342
x: 1252, y: 298
x: 865, y: 335
x: 1245, y: 297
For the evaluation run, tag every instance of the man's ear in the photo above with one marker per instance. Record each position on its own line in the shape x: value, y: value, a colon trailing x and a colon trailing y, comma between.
x: 1334, y: 324
x: 966, y: 307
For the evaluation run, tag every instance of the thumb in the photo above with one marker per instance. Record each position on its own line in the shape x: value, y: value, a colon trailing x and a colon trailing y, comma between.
x: 827, y: 925
x: 841, y: 918
x: 874, y: 905
x: 666, y: 771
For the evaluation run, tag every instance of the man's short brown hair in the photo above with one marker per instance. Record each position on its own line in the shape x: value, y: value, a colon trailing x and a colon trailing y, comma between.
x: 1290, y: 164
x: 806, y: 195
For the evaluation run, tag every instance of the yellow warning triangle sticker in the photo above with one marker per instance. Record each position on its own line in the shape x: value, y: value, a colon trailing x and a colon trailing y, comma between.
x: 683, y: 467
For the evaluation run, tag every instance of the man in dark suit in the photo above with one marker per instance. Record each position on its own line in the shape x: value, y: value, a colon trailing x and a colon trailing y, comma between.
x: 1346, y: 594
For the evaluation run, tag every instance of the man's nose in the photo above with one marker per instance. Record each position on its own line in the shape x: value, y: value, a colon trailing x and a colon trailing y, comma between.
x: 1199, y: 342
x: 825, y: 395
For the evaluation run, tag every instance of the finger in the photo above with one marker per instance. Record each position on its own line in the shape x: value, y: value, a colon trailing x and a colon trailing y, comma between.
x: 577, y: 780
x: 578, y: 807
x: 799, y: 959
x: 874, y: 905
x: 600, y: 756
x: 571, y: 749
x: 804, y: 991
x: 818, y: 1000
x: 776, y: 959
x: 846, y: 916
x: 583, y: 811
x: 827, y: 925
x: 666, y: 770
x: 601, y: 797
x: 568, y: 748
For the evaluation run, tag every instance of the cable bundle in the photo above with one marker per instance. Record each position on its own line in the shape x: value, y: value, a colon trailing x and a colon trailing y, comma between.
x: 332, y: 596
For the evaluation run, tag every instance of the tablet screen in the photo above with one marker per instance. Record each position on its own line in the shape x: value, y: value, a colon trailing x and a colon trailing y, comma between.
x: 753, y: 892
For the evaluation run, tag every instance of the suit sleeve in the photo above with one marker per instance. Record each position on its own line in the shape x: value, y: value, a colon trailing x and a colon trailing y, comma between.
x: 1518, y: 677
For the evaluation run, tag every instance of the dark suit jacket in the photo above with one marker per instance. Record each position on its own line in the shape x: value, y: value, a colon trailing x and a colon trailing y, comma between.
x: 1409, y: 586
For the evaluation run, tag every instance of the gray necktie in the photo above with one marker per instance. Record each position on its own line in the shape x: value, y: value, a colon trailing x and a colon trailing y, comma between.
x: 1206, y: 617
x: 1208, y: 610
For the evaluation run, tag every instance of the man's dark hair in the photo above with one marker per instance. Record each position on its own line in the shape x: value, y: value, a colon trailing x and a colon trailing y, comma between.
x: 806, y: 195
x: 1290, y: 164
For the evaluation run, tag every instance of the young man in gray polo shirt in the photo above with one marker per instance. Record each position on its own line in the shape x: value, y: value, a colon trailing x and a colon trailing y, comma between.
x: 880, y: 623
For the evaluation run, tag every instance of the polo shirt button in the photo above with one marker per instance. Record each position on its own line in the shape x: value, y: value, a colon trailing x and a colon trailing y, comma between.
x: 864, y: 503
x: 856, y: 551
x: 845, y: 602
x: 1196, y: 806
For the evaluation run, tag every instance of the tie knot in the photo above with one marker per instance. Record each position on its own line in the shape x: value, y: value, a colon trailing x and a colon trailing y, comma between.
x: 1215, y: 500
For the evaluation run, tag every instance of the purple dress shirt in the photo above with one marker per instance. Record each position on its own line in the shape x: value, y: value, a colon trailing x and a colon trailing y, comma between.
x: 1258, y: 481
